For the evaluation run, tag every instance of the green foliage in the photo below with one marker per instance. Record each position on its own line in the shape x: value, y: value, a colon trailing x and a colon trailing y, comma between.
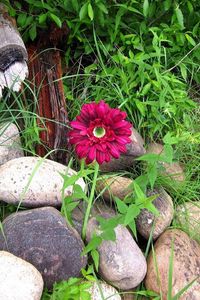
x: 73, y: 289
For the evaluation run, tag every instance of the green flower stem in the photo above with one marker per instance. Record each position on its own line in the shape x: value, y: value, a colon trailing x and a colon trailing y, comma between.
x: 87, y: 213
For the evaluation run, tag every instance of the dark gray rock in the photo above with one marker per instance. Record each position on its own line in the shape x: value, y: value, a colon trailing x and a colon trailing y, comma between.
x: 42, y: 237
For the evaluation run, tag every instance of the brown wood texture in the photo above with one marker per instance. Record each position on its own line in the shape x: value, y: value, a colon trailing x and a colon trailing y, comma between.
x: 45, y: 73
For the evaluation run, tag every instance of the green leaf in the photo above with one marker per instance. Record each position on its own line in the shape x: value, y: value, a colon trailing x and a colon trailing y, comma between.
x: 145, y: 8
x: 92, y: 245
x: 95, y: 257
x: 108, y: 235
x: 179, y: 16
x: 21, y: 20
x: 90, y: 12
x: 152, y: 174
x: 183, y: 70
x: 56, y: 20
x: 138, y: 192
x: 132, y: 212
x: 151, y: 207
x: 121, y: 206
x: 168, y: 153
x: 83, y: 11
x: 133, y: 228
x: 33, y: 32
x: 149, y: 157
x: 190, y: 39
x: 42, y: 18
x: 145, y: 89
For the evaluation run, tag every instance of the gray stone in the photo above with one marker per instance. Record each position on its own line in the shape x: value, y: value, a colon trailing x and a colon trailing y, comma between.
x: 19, y: 279
x: 134, y: 150
x: 10, y: 145
x: 147, y: 220
x: 42, y: 237
x: 188, y: 218
x: 122, y: 263
x: 186, y: 265
x: 172, y: 170
x: 114, y: 186
x: 34, y: 182
x: 108, y: 291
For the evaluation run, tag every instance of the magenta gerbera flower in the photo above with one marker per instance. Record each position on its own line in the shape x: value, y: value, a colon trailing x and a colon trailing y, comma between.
x: 100, y: 132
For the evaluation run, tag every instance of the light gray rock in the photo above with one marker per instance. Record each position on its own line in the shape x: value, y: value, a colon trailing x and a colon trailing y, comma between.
x: 172, y: 170
x: 134, y: 149
x: 186, y: 265
x: 34, y: 182
x: 122, y: 263
x: 19, y: 279
x: 114, y: 186
x: 10, y: 145
x: 42, y: 237
x: 97, y: 290
x: 188, y: 217
x: 146, y: 219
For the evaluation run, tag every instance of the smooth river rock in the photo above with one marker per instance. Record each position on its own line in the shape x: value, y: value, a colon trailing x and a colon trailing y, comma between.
x: 122, y: 263
x: 10, y: 144
x: 173, y: 170
x: 146, y: 219
x: 42, y: 237
x: 101, y: 288
x: 134, y: 149
x: 114, y: 186
x: 19, y: 279
x: 34, y: 182
x: 186, y: 265
x: 188, y: 217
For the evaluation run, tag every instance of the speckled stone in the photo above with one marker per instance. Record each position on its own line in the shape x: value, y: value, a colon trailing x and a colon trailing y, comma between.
x: 188, y: 217
x: 146, y: 220
x: 114, y: 186
x: 134, y: 149
x: 42, y: 237
x: 186, y: 265
x: 10, y: 145
x: 122, y: 263
x: 19, y: 279
x: 34, y: 182
x: 107, y: 290
x: 173, y: 170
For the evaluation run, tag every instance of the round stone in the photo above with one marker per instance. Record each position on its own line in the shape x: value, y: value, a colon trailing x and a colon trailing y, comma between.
x: 173, y: 170
x: 115, y: 186
x: 188, y: 218
x: 122, y: 263
x: 134, y: 149
x: 19, y: 279
x: 147, y: 223
x: 174, y: 246
x: 10, y: 144
x: 102, y: 288
x: 34, y: 182
x: 42, y: 237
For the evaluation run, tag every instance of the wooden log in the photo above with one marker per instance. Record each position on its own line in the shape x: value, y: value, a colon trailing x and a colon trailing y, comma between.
x: 45, y: 73
x: 13, y: 54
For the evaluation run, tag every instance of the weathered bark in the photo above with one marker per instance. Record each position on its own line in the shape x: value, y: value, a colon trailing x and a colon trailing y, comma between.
x: 13, y: 54
x: 45, y: 75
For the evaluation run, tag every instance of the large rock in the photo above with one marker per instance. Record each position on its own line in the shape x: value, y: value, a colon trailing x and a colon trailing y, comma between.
x: 42, y: 237
x: 147, y: 222
x: 34, y: 182
x: 101, y: 288
x: 10, y: 145
x: 115, y: 186
x: 173, y: 170
x: 19, y: 279
x: 134, y: 149
x: 122, y: 263
x: 186, y: 265
x: 188, y: 217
